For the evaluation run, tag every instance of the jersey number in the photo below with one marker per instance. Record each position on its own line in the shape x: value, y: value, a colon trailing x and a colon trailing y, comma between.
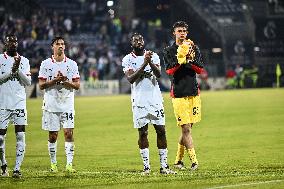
x: 20, y: 113
x: 69, y: 116
x: 195, y: 110
x: 160, y: 113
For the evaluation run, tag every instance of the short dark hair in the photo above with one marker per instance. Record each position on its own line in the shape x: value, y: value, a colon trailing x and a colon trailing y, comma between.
x: 9, y: 35
x: 180, y: 24
x: 56, y: 39
x: 135, y: 34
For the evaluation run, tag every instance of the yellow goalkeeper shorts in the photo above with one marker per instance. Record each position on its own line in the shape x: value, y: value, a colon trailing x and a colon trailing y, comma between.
x: 187, y: 110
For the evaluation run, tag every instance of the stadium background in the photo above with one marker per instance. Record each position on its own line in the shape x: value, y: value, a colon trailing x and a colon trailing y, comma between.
x: 242, y: 41
x: 240, y: 138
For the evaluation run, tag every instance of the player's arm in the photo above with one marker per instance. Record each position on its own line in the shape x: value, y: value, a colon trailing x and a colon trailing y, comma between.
x: 44, y: 84
x: 189, y: 56
x: 16, y: 64
x: 74, y: 84
x: 156, y: 69
x: 4, y: 77
x: 25, y: 75
x: 170, y: 61
x: 197, y: 65
x: 132, y: 76
x: 25, y: 78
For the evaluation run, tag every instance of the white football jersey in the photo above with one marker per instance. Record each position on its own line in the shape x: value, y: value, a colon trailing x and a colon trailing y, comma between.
x: 12, y: 89
x: 144, y: 91
x: 58, y: 98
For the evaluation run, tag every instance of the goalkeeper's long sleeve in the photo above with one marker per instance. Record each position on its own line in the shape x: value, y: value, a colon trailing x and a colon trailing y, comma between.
x: 198, y: 59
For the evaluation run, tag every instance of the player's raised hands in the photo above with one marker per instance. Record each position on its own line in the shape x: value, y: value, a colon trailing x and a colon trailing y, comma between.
x: 60, y: 77
x: 16, y: 63
x: 148, y: 56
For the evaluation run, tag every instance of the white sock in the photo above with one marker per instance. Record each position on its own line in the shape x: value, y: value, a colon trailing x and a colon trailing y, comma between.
x: 52, y: 149
x: 163, y: 157
x: 20, y: 149
x: 69, y: 150
x: 2, y: 150
x: 145, y: 157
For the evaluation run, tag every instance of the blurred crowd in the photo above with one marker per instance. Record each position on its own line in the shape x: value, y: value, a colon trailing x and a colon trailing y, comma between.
x: 240, y: 77
x: 97, y: 39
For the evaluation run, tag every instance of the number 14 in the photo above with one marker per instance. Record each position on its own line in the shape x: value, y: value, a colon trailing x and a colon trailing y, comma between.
x: 69, y: 116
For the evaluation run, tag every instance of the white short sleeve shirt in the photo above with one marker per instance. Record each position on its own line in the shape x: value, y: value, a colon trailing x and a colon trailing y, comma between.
x: 145, y: 91
x: 58, y: 98
x: 12, y: 90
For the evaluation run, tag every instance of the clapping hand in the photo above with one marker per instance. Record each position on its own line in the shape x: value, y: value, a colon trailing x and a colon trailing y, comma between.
x: 60, y: 77
x: 16, y: 63
x: 148, y: 56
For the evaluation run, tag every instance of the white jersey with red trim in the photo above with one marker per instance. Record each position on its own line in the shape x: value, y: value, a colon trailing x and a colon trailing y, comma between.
x: 12, y: 88
x: 144, y: 91
x: 58, y: 98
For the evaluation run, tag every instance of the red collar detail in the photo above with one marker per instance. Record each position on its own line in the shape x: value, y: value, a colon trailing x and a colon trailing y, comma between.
x: 6, y: 55
x: 135, y: 56
x: 53, y: 60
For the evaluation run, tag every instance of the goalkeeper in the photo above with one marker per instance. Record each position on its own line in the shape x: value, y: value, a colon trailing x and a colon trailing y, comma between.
x: 182, y: 63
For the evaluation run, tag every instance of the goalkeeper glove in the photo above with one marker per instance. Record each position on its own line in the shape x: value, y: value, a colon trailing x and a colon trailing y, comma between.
x: 181, y: 53
x: 186, y: 51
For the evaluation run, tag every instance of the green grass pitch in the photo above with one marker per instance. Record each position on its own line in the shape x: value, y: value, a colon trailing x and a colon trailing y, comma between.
x: 239, y: 144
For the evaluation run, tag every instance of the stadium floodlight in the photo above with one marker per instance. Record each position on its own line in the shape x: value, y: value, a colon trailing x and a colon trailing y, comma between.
x: 110, y: 3
x: 216, y: 50
x: 256, y: 49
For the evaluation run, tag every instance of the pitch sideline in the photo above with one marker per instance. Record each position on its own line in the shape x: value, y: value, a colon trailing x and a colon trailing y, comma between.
x: 246, y: 184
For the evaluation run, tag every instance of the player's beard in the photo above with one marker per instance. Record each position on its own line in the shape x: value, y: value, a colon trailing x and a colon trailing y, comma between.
x: 12, y: 51
x: 138, y: 50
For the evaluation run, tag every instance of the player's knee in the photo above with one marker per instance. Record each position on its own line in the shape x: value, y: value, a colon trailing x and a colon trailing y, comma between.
x: 1, y: 141
x: 3, y: 132
x: 161, y: 132
x: 19, y: 128
x: 52, y: 140
x: 68, y: 135
x: 143, y: 143
x: 186, y: 130
x: 52, y: 137
x: 143, y: 134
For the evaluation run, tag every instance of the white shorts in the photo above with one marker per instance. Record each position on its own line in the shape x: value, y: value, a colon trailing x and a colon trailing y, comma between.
x: 18, y: 117
x: 54, y: 121
x: 148, y: 114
